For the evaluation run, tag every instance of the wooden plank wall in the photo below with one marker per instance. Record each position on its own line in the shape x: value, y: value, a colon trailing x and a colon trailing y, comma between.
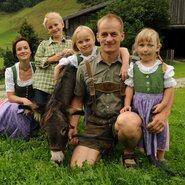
x: 177, y: 12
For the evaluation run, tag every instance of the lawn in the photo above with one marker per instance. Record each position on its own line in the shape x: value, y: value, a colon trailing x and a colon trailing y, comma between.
x: 179, y: 70
x: 28, y: 162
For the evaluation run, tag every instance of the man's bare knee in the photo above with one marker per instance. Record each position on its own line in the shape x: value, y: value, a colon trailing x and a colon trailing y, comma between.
x: 128, y: 120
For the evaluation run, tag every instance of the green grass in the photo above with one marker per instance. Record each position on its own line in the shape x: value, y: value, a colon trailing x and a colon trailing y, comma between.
x: 1, y: 82
x: 28, y: 162
x: 1, y: 63
x: 10, y: 23
x: 179, y: 70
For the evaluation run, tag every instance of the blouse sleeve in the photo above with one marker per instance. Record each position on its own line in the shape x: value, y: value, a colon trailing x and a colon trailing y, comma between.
x: 129, y: 81
x: 169, y: 81
x: 9, y: 82
x: 72, y: 60
x: 63, y: 62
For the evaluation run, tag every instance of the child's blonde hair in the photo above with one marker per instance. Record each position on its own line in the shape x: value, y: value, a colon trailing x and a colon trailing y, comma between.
x: 52, y: 15
x: 74, y: 37
x: 148, y: 35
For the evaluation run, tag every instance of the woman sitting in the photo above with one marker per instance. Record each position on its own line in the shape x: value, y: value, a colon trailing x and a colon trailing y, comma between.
x: 18, y: 81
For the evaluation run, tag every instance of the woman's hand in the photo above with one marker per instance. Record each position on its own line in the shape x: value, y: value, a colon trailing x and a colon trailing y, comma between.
x: 25, y: 101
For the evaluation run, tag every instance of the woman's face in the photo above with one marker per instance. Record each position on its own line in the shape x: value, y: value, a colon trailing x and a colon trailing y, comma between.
x: 23, y: 51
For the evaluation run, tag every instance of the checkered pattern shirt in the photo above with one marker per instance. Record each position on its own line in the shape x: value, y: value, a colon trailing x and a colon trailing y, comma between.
x: 44, y: 75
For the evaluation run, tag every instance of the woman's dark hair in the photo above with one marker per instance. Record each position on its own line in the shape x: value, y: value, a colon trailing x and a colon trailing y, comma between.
x: 15, y: 43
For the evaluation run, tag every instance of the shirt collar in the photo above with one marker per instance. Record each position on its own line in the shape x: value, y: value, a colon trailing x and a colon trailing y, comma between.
x: 92, y: 56
x: 52, y: 41
x: 99, y: 59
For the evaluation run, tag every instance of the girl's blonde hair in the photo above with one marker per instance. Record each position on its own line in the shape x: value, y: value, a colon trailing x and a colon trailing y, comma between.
x: 148, y: 35
x: 74, y: 37
x: 51, y: 15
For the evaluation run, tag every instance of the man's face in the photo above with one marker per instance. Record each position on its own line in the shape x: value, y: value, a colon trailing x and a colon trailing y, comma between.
x: 110, y: 35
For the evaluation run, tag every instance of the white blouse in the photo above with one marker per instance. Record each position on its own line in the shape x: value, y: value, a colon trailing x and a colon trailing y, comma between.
x: 169, y: 81
x: 73, y: 60
x: 9, y: 80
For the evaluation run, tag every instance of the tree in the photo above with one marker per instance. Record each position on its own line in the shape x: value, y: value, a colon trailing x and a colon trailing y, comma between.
x: 14, y: 6
x: 27, y: 31
x: 137, y: 14
x: 8, y: 58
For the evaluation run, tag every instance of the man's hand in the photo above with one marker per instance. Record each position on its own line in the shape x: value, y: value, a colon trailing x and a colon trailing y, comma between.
x: 158, y: 123
x: 71, y: 133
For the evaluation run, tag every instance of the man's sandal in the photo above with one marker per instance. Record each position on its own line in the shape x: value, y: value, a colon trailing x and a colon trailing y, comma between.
x: 130, y: 160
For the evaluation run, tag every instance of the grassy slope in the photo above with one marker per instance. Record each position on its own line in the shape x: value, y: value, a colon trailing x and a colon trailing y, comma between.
x: 10, y: 23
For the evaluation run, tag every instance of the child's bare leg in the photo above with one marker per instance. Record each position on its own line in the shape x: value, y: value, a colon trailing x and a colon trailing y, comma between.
x: 160, y: 155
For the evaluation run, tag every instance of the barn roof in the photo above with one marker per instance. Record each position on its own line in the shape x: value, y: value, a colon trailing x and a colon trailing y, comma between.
x: 87, y: 10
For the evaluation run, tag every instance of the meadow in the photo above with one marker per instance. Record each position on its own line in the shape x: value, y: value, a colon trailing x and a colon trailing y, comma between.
x: 10, y: 23
x: 28, y: 162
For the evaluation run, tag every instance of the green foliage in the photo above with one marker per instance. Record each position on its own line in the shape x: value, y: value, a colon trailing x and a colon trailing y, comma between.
x: 27, y: 31
x: 8, y: 58
x: 13, y: 6
x: 137, y: 14
x: 2, y: 82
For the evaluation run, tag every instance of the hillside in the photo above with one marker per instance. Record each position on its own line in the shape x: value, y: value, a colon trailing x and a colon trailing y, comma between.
x: 10, y: 23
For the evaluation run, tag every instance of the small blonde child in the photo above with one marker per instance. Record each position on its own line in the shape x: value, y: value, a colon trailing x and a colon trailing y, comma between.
x: 48, y: 54
x: 83, y: 44
x: 150, y: 85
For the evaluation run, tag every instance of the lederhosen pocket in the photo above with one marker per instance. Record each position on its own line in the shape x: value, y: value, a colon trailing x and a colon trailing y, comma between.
x: 98, y: 133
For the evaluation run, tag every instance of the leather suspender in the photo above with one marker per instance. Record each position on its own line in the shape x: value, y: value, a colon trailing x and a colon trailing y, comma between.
x: 91, y: 88
x: 106, y: 87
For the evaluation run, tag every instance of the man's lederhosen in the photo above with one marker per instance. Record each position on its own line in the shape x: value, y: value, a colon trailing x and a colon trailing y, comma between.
x: 99, y: 133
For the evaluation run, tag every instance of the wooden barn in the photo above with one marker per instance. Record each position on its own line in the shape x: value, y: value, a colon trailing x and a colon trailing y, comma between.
x: 81, y: 18
x: 174, y: 34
